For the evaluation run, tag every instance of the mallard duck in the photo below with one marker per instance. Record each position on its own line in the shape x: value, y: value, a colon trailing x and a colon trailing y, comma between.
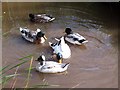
x: 33, y: 36
x: 50, y: 66
x: 42, y: 18
x: 74, y: 38
x: 61, y: 47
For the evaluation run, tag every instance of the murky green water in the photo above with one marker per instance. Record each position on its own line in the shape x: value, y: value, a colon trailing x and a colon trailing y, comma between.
x: 90, y: 65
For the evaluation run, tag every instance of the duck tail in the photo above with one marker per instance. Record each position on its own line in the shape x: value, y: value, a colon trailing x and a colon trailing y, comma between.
x: 85, y: 41
x: 81, y: 41
x: 50, y: 44
x: 57, y: 39
x: 52, y: 19
x: 66, y: 65
x: 20, y: 29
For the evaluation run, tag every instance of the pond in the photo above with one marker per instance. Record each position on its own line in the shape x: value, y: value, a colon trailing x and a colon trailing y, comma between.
x: 92, y: 65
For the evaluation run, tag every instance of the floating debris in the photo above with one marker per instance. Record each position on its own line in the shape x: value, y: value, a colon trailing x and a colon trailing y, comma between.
x: 90, y: 69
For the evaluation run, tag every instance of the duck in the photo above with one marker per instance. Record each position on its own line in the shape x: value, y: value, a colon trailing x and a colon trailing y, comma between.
x: 61, y: 47
x: 50, y: 66
x: 42, y: 18
x: 33, y: 36
x: 74, y: 38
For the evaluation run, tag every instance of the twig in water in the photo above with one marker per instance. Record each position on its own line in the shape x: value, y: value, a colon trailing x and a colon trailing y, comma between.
x: 14, y: 78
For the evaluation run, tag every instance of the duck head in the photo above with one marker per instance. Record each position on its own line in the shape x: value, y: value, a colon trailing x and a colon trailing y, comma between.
x: 41, y: 34
x: 68, y: 31
x: 31, y: 16
x: 41, y: 59
x: 59, y: 57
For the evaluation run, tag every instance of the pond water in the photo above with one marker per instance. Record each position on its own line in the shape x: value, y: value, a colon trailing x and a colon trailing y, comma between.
x: 92, y: 65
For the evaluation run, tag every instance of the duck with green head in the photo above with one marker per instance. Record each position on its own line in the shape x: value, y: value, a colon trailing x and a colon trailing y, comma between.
x: 33, y: 36
x: 74, y: 38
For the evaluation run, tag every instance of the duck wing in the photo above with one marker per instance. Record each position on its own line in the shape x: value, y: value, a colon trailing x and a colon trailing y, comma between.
x: 26, y: 33
x: 76, y: 35
x: 48, y: 63
x: 51, y: 64
x: 55, y: 47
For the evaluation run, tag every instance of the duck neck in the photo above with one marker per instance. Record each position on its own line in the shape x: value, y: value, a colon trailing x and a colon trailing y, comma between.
x: 62, y: 41
x: 42, y: 63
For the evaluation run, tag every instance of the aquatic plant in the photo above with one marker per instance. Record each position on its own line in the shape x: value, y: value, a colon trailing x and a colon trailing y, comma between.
x: 5, y: 78
x: 29, y: 72
x: 12, y: 78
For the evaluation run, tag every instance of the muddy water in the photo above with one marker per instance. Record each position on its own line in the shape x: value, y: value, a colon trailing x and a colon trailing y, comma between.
x: 92, y: 65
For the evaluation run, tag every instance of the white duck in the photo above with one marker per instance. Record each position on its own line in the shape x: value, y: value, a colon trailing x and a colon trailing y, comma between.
x: 61, y: 47
x: 42, y: 18
x: 74, y: 38
x: 33, y: 36
x: 50, y: 66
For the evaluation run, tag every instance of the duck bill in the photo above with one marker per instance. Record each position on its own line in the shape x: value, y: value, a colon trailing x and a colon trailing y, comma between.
x: 45, y: 37
x: 60, y: 61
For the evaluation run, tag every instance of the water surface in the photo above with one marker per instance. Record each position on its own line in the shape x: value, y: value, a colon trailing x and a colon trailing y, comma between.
x: 92, y: 65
